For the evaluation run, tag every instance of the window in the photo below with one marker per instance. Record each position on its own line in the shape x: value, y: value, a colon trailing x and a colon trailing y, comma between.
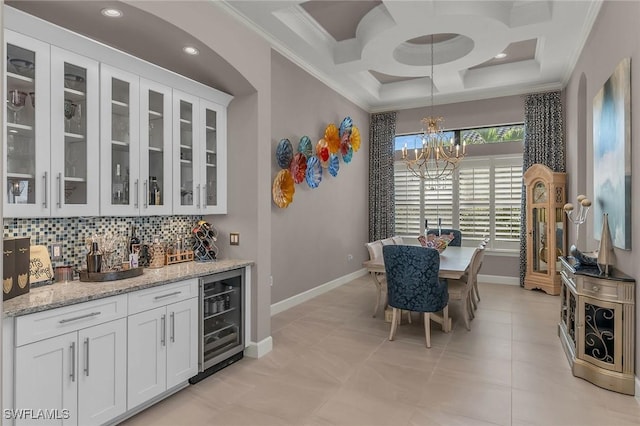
x: 482, y: 197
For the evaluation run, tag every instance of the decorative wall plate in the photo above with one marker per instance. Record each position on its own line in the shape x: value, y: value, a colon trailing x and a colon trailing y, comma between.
x: 334, y: 165
x: 355, y: 139
x: 314, y: 172
x: 283, y: 189
x: 322, y: 152
x: 345, y: 126
x: 305, y: 146
x: 347, y: 152
x: 298, y: 167
x: 332, y: 137
x: 284, y: 153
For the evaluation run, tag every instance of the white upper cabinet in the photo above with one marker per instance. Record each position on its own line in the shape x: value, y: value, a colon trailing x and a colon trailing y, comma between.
x: 119, y: 142
x: 109, y: 135
x: 26, y: 171
x: 155, y: 148
x: 200, y: 155
x: 74, y: 134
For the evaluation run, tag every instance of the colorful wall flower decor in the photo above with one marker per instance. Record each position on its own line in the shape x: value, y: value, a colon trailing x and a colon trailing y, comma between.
x: 308, y: 162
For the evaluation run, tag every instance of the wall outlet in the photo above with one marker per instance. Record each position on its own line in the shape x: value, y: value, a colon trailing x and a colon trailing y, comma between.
x: 349, y: 257
x: 271, y: 280
x: 56, y: 251
x: 234, y: 238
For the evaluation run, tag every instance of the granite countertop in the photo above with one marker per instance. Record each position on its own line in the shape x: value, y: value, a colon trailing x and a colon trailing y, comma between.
x: 63, y: 294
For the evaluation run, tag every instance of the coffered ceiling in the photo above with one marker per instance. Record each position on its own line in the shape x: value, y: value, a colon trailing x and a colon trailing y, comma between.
x: 378, y: 53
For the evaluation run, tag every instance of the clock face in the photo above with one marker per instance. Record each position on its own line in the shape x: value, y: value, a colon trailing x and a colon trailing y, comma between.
x: 539, y: 193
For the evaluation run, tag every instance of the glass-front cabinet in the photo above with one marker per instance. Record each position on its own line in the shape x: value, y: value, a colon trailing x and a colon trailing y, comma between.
x: 214, y: 169
x: 75, y: 136
x: 26, y: 170
x: 199, y: 157
x: 155, y: 148
x: 119, y: 142
x: 546, y: 239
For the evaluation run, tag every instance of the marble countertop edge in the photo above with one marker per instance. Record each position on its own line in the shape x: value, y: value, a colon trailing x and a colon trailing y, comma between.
x: 62, y: 294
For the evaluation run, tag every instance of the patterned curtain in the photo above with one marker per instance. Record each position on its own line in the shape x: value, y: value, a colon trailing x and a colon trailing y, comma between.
x: 543, y: 144
x: 382, y: 211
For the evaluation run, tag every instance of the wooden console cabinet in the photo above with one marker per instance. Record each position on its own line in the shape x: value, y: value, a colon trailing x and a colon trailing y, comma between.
x: 597, y: 326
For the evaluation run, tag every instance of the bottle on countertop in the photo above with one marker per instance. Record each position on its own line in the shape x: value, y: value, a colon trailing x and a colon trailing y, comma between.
x: 134, y: 239
x: 94, y: 259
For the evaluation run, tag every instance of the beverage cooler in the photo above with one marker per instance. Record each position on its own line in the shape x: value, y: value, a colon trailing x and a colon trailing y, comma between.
x: 221, y: 326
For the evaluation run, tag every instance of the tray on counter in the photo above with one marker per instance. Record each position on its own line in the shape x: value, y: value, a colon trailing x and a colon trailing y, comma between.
x: 109, y: 276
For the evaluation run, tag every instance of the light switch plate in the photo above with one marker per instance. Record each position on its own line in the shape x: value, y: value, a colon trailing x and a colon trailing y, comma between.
x: 234, y: 238
x: 56, y: 251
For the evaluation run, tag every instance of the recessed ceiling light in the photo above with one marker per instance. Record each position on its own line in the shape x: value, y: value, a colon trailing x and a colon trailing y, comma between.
x: 111, y: 13
x: 190, y: 50
x: 501, y: 55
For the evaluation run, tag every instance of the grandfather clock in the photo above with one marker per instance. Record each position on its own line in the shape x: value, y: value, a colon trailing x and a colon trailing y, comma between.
x: 545, y: 227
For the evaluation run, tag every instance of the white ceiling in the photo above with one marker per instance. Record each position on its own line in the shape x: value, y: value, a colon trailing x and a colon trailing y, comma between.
x: 377, y: 53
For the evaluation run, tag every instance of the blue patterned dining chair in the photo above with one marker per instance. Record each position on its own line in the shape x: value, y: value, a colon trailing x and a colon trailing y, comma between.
x: 413, y: 285
x: 457, y: 235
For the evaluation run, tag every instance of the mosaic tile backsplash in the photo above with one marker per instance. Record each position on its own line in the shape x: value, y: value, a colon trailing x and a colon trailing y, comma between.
x: 72, y: 232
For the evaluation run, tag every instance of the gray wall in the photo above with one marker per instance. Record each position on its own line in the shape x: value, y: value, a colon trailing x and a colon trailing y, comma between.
x: 313, y: 236
x: 487, y: 112
x: 614, y: 36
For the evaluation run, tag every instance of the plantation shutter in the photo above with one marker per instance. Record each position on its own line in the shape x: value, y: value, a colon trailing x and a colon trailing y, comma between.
x: 407, y: 191
x: 438, y: 204
x: 475, y: 200
x: 508, y: 188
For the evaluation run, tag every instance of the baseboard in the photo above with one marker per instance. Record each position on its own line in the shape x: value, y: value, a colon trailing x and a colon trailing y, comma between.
x: 498, y: 279
x: 637, y: 395
x: 283, y: 305
x: 260, y: 349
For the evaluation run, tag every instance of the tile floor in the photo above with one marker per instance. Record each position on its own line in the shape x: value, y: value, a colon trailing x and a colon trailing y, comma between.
x: 332, y: 364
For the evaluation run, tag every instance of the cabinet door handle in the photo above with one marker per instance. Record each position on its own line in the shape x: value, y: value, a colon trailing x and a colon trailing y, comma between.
x: 204, y: 196
x: 135, y: 205
x: 86, y: 357
x: 198, y: 195
x: 173, y: 327
x: 146, y: 194
x: 162, y: 296
x: 595, y: 288
x: 163, y: 330
x: 73, y: 361
x: 44, y: 178
x: 92, y: 314
x: 59, y: 190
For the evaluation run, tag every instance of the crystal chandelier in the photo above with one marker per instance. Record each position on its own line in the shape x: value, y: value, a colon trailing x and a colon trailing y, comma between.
x: 438, y: 157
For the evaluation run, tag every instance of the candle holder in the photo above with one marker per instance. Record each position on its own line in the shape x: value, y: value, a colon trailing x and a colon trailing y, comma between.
x: 578, y: 217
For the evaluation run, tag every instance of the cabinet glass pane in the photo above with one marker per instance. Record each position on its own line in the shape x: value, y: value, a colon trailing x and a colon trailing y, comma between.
x: 21, y: 119
x: 571, y: 318
x: 157, y: 183
x: 599, y: 328
x: 211, y: 153
x: 120, y: 132
x: 186, y: 154
x: 540, y: 250
x: 75, y: 134
x: 222, y: 319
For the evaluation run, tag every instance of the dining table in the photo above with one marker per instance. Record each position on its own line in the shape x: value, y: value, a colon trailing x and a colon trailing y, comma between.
x: 454, y: 263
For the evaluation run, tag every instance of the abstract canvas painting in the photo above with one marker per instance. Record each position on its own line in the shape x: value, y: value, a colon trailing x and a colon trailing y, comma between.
x: 612, y: 155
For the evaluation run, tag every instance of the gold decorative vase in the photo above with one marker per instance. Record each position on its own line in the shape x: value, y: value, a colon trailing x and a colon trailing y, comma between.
x: 605, y: 251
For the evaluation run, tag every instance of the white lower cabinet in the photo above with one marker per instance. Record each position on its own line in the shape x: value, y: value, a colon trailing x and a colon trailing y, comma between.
x: 162, y: 347
x: 79, y: 377
x: 90, y: 363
